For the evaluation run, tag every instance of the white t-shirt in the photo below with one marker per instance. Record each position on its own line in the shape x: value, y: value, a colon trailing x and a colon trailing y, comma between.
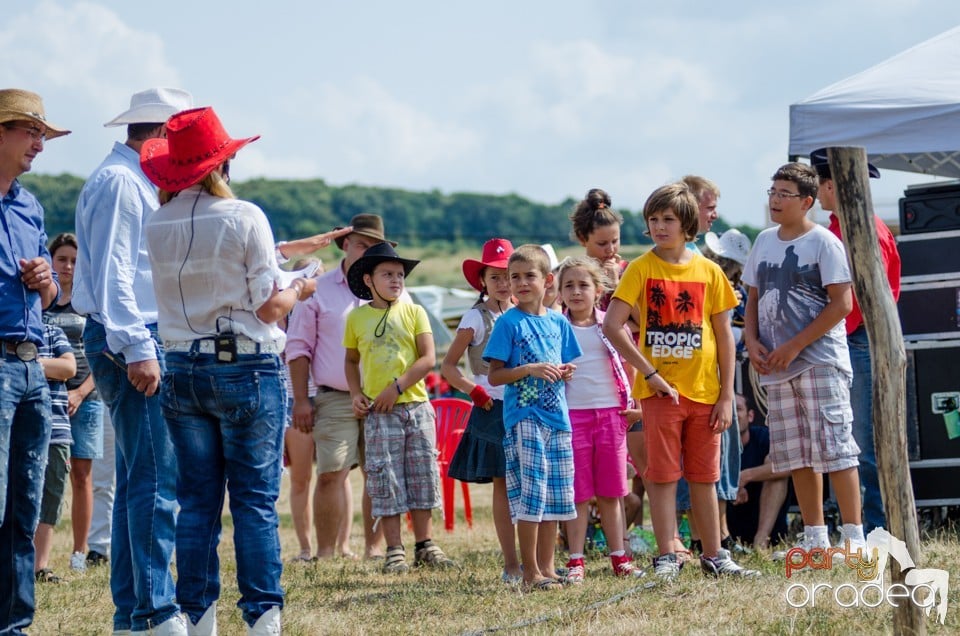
x: 791, y: 279
x: 473, y: 319
x: 592, y: 385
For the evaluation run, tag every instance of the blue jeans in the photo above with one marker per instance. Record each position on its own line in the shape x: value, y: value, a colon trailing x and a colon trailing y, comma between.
x: 24, y: 435
x: 227, y: 422
x: 144, y: 514
x: 861, y: 401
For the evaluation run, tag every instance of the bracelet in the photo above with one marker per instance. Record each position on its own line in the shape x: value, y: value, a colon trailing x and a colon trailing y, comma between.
x: 396, y: 385
x: 297, y: 286
x: 650, y: 375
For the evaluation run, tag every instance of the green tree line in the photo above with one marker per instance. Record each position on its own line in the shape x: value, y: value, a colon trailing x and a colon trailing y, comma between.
x: 305, y: 207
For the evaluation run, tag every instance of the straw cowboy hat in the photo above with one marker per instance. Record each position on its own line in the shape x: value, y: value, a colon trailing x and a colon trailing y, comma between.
x: 21, y: 105
x: 153, y: 106
x: 496, y: 254
x: 369, y: 225
x: 732, y: 244
x: 196, y: 144
x: 375, y: 254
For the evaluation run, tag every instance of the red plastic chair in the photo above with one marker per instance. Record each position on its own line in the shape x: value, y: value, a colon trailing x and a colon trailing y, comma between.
x: 452, y: 416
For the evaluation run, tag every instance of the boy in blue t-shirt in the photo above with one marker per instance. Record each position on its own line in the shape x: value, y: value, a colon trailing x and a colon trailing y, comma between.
x: 59, y: 365
x: 529, y: 351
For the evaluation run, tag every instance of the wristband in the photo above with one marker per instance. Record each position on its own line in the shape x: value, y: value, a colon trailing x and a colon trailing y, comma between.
x: 479, y: 395
x: 650, y: 375
x: 396, y: 385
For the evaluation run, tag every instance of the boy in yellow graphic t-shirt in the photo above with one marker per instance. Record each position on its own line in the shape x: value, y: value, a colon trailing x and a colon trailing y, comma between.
x: 685, y: 366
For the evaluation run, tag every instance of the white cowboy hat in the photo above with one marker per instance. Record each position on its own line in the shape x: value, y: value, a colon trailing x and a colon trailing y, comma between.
x: 153, y: 106
x: 732, y: 244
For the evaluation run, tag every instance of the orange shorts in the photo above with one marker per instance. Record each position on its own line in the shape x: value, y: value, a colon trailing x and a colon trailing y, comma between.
x: 679, y: 441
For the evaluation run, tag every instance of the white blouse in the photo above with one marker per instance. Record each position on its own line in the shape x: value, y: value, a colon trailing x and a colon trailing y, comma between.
x: 213, y: 266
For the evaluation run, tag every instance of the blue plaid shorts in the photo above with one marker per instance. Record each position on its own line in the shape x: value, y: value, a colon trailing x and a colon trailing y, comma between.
x: 539, y: 472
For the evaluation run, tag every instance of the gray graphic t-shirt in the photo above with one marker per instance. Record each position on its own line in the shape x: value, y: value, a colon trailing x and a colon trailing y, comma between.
x: 791, y: 279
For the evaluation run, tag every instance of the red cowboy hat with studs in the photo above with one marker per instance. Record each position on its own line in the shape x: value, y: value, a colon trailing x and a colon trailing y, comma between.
x: 196, y: 144
x: 496, y: 253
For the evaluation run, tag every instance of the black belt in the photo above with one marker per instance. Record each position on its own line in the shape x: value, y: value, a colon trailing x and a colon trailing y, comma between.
x: 322, y: 388
x: 26, y: 351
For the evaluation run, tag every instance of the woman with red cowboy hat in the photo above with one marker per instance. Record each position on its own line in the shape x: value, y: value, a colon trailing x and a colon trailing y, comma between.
x: 217, y: 284
x: 479, y: 457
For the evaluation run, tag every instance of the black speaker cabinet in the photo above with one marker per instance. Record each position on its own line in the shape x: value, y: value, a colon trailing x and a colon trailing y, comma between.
x: 929, y: 256
x: 930, y: 207
x: 930, y: 311
x: 933, y: 392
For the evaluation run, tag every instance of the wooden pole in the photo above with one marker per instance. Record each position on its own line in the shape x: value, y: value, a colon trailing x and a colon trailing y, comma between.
x: 888, y: 361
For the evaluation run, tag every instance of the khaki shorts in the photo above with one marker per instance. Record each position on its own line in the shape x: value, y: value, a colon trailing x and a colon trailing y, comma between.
x: 337, y: 433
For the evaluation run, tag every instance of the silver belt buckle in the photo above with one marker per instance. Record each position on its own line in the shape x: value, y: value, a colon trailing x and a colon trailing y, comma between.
x: 26, y: 351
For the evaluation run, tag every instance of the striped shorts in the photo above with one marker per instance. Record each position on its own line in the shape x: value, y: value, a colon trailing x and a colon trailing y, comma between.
x: 811, y: 422
x: 539, y: 479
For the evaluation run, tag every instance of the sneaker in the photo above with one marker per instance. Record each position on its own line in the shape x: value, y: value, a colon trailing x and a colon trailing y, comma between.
x: 95, y: 558
x: 78, y: 562
x: 724, y: 565
x: 804, y: 543
x: 623, y: 566
x: 734, y: 546
x: 575, y: 572
x: 395, y: 561
x: 431, y: 555
x: 666, y: 566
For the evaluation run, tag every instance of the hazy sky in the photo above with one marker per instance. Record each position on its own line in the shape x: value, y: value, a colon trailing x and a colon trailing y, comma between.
x: 544, y: 99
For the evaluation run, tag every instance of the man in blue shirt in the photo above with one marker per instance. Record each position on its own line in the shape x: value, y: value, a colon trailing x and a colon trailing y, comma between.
x: 27, y: 286
x: 113, y: 286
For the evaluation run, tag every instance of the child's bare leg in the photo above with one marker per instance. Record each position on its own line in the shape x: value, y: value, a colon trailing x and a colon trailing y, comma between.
x: 611, y: 519
x: 391, y: 530
x: 722, y: 510
x: 422, y: 525
x: 546, y: 547
x: 808, y: 486
x: 846, y: 485
x: 663, y: 510
x: 527, y: 532
x: 577, y: 528
x: 503, y: 524
x: 703, y: 498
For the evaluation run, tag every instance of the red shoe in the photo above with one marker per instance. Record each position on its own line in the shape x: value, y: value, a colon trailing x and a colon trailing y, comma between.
x: 575, y: 571
x: 623, y: 566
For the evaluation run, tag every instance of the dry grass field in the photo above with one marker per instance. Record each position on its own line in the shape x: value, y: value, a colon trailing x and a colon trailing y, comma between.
x: 353, y: 597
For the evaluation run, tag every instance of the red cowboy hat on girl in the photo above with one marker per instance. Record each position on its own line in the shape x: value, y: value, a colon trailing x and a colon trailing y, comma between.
x: 196, y: 144
x: 496, y: 253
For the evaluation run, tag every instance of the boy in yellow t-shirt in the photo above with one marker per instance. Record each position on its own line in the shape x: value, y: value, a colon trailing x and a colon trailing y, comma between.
x: 394, y: 342
x: 685, y: 367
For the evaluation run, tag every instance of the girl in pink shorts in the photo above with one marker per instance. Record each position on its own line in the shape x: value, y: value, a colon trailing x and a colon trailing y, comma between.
x: 600, y: 413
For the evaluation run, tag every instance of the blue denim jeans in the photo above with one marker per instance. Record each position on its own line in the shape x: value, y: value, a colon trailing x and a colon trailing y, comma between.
x: 144, y: 513
x: 861, y: 401
x: 227, y: 422
x: 24, y: 436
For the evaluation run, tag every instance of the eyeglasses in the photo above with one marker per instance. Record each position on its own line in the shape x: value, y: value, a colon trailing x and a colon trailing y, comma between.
x: 35, y: 133
x: 777, y: 194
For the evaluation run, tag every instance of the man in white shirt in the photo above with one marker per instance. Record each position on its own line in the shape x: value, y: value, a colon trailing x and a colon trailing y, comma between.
x: 114, y: 288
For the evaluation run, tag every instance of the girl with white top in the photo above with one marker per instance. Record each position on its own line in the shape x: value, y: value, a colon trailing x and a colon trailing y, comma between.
x: 479, y: 457
x: 600, y: 413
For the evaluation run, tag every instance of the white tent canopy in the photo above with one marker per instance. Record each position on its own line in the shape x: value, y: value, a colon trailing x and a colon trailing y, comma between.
x: 905, y: 111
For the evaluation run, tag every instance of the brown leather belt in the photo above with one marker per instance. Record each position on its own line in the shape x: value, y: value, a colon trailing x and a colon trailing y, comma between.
x: 26, y: 351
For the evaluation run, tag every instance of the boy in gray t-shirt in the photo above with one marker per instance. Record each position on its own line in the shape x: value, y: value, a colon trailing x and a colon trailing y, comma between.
x: 799, y: 294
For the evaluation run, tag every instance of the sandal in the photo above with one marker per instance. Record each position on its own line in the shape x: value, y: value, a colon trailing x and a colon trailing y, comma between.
x: 46, y: 575
x: 543, y: 585
x: 395, y: 561
x: 303, y: 557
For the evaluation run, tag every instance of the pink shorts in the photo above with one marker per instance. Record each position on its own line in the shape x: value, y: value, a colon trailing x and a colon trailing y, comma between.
x: 599, y: 453
x: 680, y: 436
